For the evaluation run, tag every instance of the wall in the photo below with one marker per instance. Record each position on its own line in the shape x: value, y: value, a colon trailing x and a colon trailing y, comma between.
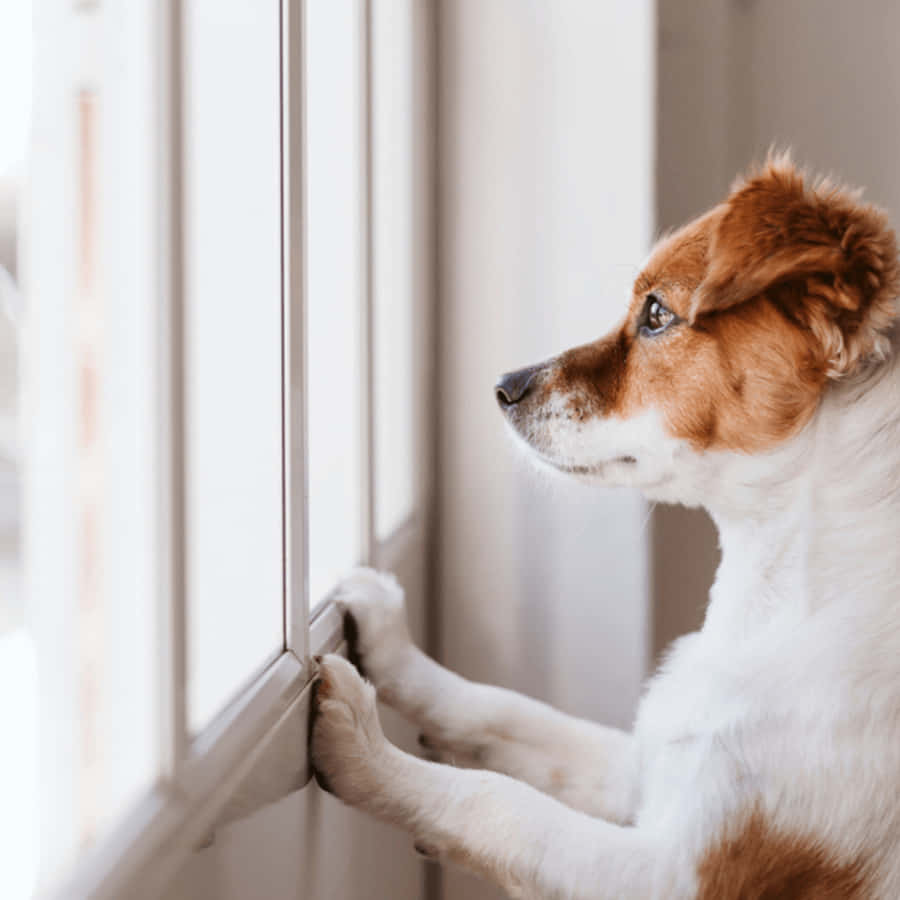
x: 545, y: 160
x: 819, y: 76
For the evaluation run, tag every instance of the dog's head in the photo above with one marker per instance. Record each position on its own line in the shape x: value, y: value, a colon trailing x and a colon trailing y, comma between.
x: 735, y: 327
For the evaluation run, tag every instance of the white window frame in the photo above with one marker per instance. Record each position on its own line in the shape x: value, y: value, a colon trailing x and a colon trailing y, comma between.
x: 254, y: 752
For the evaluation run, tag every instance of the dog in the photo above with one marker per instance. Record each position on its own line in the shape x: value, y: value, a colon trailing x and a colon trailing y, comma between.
x: 756, y: 373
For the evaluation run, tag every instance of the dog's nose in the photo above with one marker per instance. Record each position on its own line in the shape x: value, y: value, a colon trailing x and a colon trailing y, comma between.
x: 513, y: 386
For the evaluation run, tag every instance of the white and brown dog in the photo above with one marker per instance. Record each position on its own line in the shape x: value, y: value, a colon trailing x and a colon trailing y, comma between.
x: 756, y: 372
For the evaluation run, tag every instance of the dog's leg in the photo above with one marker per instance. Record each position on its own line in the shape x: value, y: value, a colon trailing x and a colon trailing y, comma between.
x: 509, y: 833
x: 586, y: 766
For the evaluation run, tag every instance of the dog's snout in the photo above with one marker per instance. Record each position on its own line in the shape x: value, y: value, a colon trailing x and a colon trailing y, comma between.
x: 513, y: 386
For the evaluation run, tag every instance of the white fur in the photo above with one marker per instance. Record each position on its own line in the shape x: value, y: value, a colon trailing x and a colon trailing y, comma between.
x: 788, y: 699
x: 633, y: 452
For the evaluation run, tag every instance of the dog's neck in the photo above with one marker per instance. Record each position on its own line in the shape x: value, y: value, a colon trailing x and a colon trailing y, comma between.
x: 816, y: 523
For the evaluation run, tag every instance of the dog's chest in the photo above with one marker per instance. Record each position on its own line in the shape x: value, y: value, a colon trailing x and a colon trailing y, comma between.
x: 694, y: 720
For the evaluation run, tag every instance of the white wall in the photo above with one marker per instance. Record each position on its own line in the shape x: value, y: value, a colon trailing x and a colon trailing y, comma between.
x: 546, y: 208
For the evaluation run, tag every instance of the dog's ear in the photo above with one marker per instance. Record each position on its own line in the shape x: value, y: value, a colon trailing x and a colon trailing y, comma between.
x: 829, y: 260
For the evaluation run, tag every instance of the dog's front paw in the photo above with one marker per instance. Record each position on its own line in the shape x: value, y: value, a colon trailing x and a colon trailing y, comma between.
x: 374, y: 622
x: 346, y: 743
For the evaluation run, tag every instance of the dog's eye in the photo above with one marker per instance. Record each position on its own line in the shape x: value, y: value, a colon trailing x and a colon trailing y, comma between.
x: 655, y: 317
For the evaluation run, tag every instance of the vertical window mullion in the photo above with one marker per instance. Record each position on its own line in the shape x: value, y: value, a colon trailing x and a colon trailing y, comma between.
x: 367, y: 394
x: 172, y: 672
x: 293, y: 85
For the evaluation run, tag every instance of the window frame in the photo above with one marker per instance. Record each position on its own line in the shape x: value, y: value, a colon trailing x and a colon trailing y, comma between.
x: 254, y: 751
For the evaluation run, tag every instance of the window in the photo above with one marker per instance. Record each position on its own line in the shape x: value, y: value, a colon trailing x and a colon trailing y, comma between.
x: 211, y: 324
x: 232, y: 347
x: 336, y: 277
x: 394, y: 325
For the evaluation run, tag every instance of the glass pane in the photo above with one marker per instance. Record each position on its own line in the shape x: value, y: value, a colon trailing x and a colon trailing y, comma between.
x: 393, y: 262
x: 78, y: 310
x: 334, y: 118
x: 233, y: 347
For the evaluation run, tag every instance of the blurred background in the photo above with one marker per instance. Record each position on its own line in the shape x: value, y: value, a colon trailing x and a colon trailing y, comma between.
x: 474, y: 186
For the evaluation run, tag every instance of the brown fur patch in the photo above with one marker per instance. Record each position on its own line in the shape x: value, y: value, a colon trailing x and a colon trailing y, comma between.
x: 745, y: 381
x: 678, y: 265
x: 778, y: 289
x: 838, y: 254
x: 592, y: 376
x: 742, y: 380
x: 758, y: 862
